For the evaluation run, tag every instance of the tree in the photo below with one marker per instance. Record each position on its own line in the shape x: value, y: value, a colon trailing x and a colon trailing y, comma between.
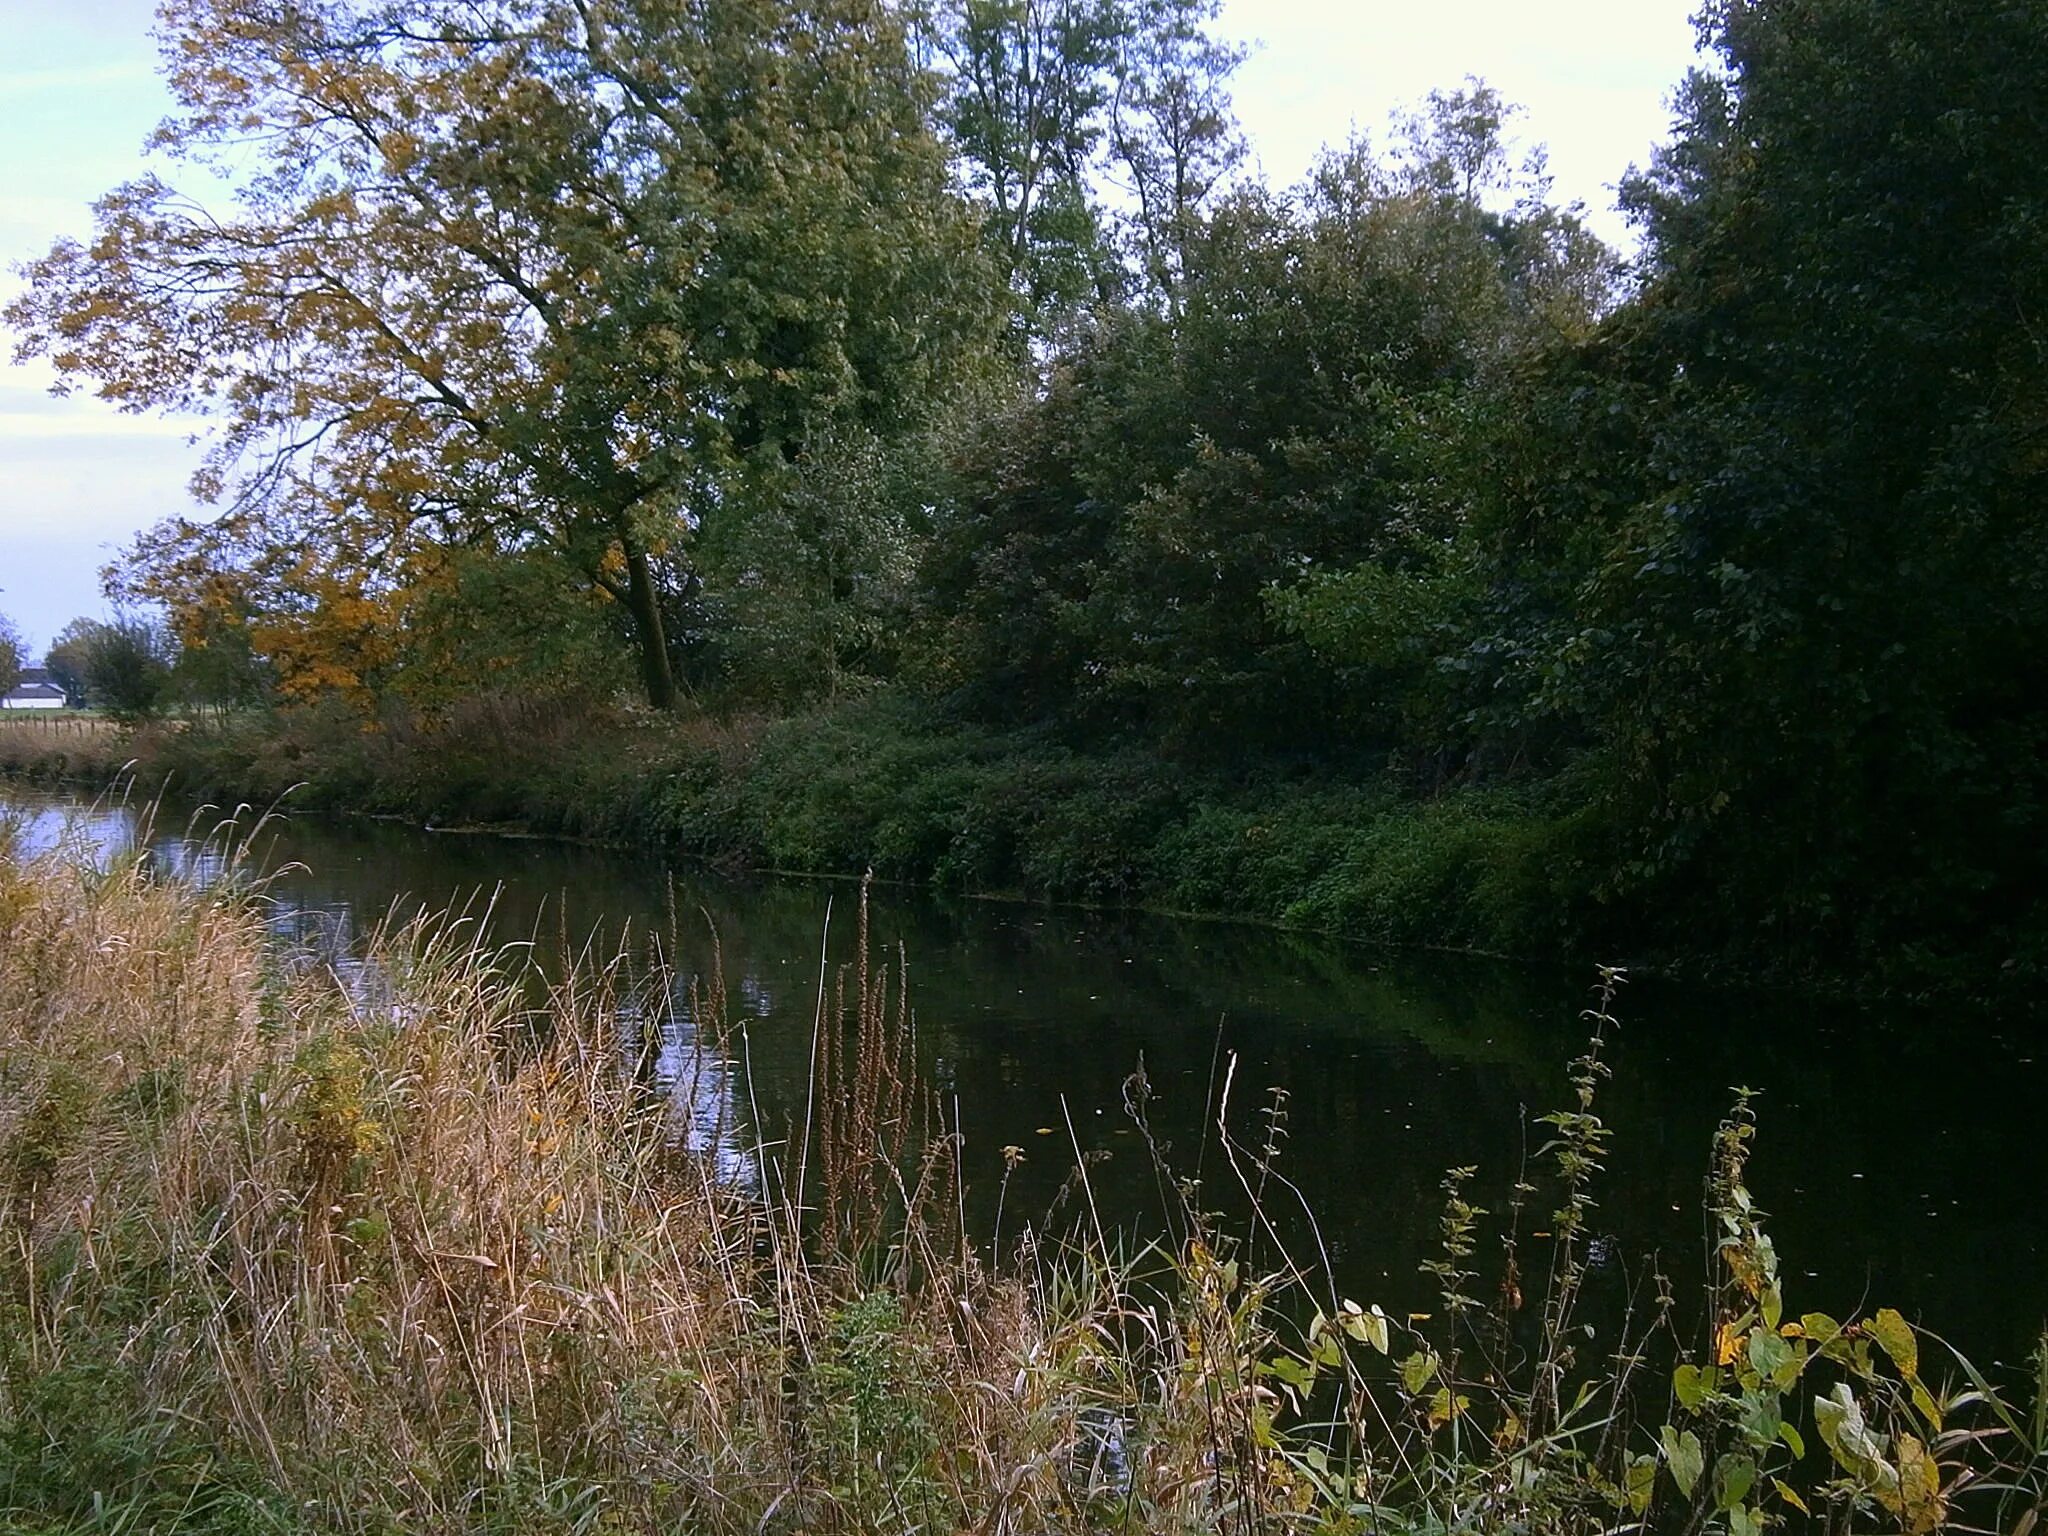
x: 1304, y: 409
x: 66, y: 660
x: 124, y: 664
x: 1811, y: 622
x: 11, y: 653
x: 544, y: 276
x: 1025, y: 86
x: 1171, y: 127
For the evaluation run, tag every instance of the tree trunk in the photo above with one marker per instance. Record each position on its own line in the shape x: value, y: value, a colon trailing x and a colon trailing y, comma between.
x: 655, y: 671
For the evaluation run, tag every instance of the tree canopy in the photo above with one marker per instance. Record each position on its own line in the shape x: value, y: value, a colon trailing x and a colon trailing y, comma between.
x: 820, y: 347
x: 541, y: 276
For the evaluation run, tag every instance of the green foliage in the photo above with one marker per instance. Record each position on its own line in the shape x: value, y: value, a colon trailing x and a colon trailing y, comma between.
x: 550, y: 290
x: 128, y: 664
x: 1024, y: 90
x: 508, y: 623
x: 1816, y: 616
x: 10, y: 654
x: 1111, y: 553
x: 874, y: 1424
x: 808, y: 579
x: 81, y: 1452
x: 59, y: 1109
x: 1569, y: 612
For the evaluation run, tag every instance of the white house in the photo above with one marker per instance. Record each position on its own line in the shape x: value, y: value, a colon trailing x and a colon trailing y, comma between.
x: 34, y: 691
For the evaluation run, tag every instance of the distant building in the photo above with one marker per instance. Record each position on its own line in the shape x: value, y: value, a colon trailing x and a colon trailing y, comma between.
x: 34, y: 691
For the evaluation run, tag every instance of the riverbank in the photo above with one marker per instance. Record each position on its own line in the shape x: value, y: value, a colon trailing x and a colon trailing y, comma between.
x: 883, y: 784
x: 413, y: 1252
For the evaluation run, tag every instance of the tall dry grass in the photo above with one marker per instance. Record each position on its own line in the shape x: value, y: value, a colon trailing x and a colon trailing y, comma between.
x: 283, y: 1249
x: 415, y: 1248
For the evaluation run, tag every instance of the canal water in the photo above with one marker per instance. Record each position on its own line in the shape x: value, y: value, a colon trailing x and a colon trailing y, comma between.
x: 1901, y: 1154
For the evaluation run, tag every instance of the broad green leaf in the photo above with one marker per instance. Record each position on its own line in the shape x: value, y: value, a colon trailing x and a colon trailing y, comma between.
x: 1819, y: 1326
x: 1793, y: 1439
x: 1640, y: 1481
x: 1734, y: 1476
x: 1859, y: 1452
x: 1691, y: 1385
x: 1417, y: 1370
x: 1367, y: 1327
x: 1762, y: 1418
x: 1824, y: 1332
x: 1769, y: 1355
x: 1830, y: 1414
x: 1686, y: 1459
x: 1293, y: 1372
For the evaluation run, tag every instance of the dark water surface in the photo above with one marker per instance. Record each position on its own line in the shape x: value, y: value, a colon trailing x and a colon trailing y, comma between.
x: 1901, y: 1154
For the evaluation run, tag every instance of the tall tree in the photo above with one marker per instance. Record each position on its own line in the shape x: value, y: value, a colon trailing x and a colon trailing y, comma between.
x: 1025, y: 85
x: 127, y: 663
x: 1172, y: 128
x: 541, y: 275
x: 1821, y: 609
x: 1115, y: 552
x: 66, y: 658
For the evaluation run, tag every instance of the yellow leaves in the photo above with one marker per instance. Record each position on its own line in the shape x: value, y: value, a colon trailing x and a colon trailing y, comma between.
x: 1728, y: 1342
x: 335, y: 638
x: 332, y: 207
x: 1445, y: 1406
x: 401, y: 149
x: 1921, y: 1503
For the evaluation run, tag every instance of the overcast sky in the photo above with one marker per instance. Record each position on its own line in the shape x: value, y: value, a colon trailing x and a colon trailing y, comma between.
x: 78, y: 94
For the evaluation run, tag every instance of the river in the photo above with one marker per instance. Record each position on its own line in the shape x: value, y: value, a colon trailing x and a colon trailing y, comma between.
x: 1900, y: 1154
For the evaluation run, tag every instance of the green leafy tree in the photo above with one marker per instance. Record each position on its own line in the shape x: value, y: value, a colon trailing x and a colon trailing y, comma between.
x: 1026, y: 83
x: 494, y: 623
x: 539, y: 275
x: 1305, y: 411
x: 812, y: 584
x: 1816, y: 614
x: 129, y: 664
x: 217, y: 668
x: 10, y: 654
x: 66, y: 660
x: 1173, y: 132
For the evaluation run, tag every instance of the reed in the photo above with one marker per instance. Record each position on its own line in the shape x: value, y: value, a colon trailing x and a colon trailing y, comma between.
x: 411, y: 1245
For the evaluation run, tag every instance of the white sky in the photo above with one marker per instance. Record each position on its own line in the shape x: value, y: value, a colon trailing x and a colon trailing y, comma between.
x: 78, y: 94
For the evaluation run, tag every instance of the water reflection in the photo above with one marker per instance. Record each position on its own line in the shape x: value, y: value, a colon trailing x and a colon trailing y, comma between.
x: 1899, y: 1154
